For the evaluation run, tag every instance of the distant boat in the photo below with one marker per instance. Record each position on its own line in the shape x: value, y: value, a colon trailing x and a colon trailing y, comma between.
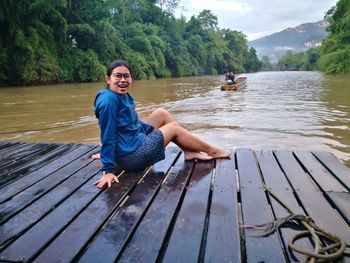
x: 241, y: 82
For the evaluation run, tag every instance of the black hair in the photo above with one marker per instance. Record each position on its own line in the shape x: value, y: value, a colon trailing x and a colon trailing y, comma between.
x: 117, y: 63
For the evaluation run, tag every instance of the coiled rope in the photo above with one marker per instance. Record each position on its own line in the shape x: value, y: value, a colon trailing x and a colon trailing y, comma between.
x: 332, y: 250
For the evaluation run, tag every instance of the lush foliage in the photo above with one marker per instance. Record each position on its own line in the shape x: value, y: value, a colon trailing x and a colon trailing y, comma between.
x: 266, y: 63
x: 50, y: 41
x: 300, y: 61
x: 335, y: 52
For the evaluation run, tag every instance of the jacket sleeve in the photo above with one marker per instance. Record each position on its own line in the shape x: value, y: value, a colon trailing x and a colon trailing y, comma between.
x: 106, y: 109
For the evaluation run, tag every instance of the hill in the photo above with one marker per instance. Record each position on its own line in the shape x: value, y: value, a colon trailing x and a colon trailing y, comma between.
x: 296, y: 39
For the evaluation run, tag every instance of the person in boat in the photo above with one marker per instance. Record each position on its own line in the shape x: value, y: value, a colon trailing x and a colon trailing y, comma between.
x: 230, y: 78
x: 128, y: 143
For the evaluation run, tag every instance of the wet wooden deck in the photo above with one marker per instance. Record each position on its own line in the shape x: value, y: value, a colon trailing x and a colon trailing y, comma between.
x: 178, y: 211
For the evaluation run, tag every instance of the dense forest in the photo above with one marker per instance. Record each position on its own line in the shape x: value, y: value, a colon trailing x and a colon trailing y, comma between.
x: 334, y: 54
x: 53, y: 41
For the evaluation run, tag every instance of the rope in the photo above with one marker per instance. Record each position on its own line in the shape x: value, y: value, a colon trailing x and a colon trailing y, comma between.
x: 334, y: 249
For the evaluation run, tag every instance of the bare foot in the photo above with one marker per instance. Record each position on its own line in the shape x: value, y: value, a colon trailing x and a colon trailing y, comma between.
x: 219, y: 153
x: 96, y: 156
x: 197, y: 155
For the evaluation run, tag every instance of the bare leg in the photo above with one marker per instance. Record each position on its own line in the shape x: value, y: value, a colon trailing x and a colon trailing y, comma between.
x: 191, y: 144
x: 159, y: 117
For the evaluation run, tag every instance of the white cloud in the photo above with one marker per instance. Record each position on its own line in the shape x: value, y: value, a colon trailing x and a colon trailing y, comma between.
x: 257, y: 18
x: 220, y: 5
x: 259, y: 35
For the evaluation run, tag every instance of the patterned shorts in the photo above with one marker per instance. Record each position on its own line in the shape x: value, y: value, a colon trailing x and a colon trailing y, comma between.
x: 152, y: 150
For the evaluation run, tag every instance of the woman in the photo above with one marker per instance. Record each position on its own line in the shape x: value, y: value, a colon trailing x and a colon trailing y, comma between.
x: 131, y: 144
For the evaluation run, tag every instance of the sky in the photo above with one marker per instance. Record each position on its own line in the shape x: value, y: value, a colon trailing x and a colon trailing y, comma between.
x: 258, y: 18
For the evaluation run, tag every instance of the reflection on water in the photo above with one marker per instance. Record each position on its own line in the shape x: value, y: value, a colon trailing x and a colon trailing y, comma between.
x: 304, y: 110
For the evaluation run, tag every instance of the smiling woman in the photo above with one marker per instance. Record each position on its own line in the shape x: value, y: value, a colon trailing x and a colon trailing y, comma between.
x: 131, y: 144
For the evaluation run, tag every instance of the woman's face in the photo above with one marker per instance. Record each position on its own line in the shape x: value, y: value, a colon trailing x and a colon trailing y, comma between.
x: 120, y: 80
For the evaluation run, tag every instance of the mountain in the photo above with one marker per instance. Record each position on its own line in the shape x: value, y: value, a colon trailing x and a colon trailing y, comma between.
x: 296, y: 39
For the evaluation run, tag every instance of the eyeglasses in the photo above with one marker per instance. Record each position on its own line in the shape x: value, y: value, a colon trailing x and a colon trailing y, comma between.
x: 119, y: 76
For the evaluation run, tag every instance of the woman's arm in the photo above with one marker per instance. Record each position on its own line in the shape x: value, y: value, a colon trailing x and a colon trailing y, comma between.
x: 106, y: 107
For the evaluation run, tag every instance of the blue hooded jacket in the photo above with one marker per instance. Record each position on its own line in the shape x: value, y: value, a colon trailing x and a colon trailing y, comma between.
x: 121, y: 130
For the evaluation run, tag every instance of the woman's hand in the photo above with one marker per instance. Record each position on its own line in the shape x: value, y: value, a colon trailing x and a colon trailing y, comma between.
x: 108, y: 179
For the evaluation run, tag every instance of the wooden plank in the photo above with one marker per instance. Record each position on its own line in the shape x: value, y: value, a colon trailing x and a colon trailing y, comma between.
x: 335, y: 192
x: 151, y: 230
x: 27, y: 246
x: 188, y: 232
x: 17, y: 224
x: 155, y: 224
x: 71, y: 241
x: 342, y: 204
x: 276, y: 181
x: 9, y: 146
x: 9, y: 190
x: 223, y: 230
x: 256, y: 210
x: 36, y: 191
x: 31, y: 163
x: 55, y: 214
x: 4, y: 144
x: 24, y: 150
x: 278, y: 184
x: 21, y: 151
x: 121, y: 225
x: 312, y: 199
x: 318, y: 172
x: 338, y: 169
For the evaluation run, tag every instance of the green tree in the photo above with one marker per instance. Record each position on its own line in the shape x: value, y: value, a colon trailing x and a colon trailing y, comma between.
x: 335, y: 50
x: 46, y: 41
x: 168, y: 5
x: 208, y: 20
x: 30, y: 37
x: 311, y: 59
x: 266, y: 63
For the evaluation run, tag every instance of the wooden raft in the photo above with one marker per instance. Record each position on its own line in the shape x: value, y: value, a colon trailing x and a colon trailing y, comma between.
x: 178, y: 211
x: 241, y: 82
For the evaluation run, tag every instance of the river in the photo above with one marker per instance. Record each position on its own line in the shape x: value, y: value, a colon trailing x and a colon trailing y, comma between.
x: 304, y: 110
